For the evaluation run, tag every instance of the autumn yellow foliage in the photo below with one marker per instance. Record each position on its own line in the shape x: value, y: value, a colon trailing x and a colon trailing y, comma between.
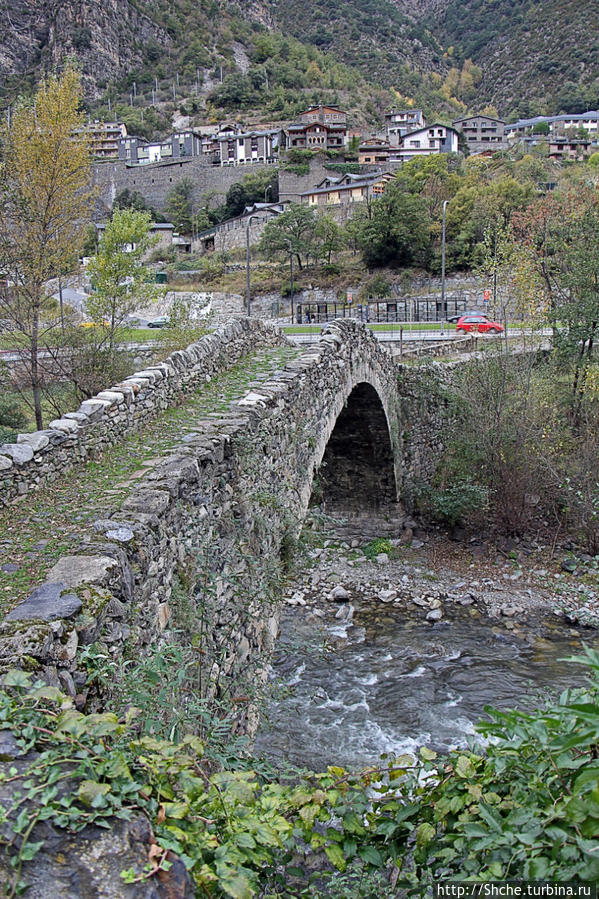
x: 45, y: 201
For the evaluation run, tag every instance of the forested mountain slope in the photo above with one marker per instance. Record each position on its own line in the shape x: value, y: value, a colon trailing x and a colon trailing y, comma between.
x: 536, y: 56
x: 269, y: 57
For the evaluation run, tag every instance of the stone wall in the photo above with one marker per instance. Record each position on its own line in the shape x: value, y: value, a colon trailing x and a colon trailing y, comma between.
x: 155, y: 180
x: 292, y: 185
x: 223, y: 507
x: 39, y: 458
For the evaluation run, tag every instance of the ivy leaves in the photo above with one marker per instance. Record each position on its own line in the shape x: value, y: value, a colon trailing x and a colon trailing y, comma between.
x: 524, y: 807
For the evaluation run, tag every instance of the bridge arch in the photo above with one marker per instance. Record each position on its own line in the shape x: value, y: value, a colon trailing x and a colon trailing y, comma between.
x: 350, y: 452
x: 357, y: 470
x: 224, y: 503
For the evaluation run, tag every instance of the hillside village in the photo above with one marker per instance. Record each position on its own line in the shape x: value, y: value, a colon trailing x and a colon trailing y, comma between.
x: 153, y: 168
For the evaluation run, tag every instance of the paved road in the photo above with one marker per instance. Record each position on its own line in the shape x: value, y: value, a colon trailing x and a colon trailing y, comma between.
x: 384, y: 336
x: 393, y: 335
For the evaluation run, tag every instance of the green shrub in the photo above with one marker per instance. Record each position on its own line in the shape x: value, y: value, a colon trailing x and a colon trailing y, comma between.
x: 451, y: 505
x: 7, y: 435
x: 523, y: 806
x: 376, y: 547
x: 12, y: 419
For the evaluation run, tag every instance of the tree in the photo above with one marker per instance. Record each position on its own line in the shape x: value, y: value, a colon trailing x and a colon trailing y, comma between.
x: 117, y: 271
x: 292, y: 231
x: 395, y: 230
x: 133, y: 199
x: 179, y: 206
x: 255, y: 187
x: 44, y: 207
x: 558, y: 241
x: 327, y: 237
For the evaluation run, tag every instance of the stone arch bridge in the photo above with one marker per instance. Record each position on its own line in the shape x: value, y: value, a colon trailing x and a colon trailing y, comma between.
x: 218, y: 516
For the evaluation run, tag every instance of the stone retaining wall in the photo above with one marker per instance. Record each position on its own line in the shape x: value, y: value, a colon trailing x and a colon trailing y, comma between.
x: 39, y: 458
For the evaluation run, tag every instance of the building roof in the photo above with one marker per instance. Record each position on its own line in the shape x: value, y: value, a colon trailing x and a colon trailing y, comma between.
x: 264, y: 207
x: 319, y: 107
x: 155, y: 226
x: 429, y: 128
x: 140, y: 140
x: 562, y: 117
x: 478, y: 115
x: 585, y: 141
x: 305, y: 126
x: 364, y: 182
x: 410, y: 111
x: 374, y: 142
x: 242, y: 134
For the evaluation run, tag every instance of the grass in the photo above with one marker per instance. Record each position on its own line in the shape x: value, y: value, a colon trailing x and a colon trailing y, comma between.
x: 142, y: 335
x: 13, y: 340
x: 39, y: 527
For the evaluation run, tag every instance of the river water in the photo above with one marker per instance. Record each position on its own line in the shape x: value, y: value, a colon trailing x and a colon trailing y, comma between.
x: 387, y: 683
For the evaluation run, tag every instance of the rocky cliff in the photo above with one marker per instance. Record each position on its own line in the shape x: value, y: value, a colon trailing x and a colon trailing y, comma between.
x: 107, y: 38
x: 409, y: 45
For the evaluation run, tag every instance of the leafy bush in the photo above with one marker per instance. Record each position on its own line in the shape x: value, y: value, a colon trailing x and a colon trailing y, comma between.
x: 524, y: 806
x: 7, y: 435
x: 300, y: 168
x: 451, y: 505
x: 505, y: 439
x: 12, y: 418
x: 376, y: 547
x: 81, y: 38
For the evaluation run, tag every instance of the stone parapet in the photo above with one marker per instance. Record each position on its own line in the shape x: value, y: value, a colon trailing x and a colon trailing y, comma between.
x: 39, y: 458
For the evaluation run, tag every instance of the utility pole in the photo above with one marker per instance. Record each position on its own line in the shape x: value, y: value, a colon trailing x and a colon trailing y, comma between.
x: 443, y: 308
x: 247, y: 264
x: 495, y: 269
x: 291, y: 275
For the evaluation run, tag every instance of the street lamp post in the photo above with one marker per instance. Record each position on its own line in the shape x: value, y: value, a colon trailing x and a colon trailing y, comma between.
x: 247, y: 262
x: 443, y: 309
x: 291, y: 275
x: 267, y: 192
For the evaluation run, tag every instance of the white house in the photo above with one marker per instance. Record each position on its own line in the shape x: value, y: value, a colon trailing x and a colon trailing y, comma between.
x: 558, y: 124
x: 247, y: 147
x: 432, y: 139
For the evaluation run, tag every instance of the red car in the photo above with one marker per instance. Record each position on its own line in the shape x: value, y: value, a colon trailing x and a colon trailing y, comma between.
x: 479, y: 324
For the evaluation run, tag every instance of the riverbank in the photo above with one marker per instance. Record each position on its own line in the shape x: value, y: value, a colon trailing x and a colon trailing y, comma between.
x: 508, y: 580
x: 388, y: 644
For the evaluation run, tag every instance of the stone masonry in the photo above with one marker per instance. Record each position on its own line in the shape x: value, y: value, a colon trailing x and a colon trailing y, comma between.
x: 38, y: 458
x: 224, y: 505
x: 223, y: 508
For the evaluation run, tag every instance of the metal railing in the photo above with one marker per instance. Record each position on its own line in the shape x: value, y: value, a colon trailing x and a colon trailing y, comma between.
x: 408, y: 309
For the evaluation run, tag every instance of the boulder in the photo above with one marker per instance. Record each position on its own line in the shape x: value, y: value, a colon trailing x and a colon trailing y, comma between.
x: 20, y: 453
x: 49, y: 602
